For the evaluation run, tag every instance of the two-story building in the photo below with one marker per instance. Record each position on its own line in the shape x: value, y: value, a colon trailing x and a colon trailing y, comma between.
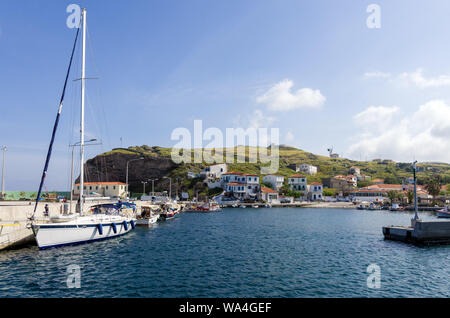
x: 241, y: 185
x: 275, y: 180
x: 298, y: 182
x: 214, y: 171
x: 304, y: 167
x: 315, y: 191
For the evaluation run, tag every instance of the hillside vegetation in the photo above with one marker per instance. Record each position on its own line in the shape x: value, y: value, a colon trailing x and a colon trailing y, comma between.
x: 389, y: 170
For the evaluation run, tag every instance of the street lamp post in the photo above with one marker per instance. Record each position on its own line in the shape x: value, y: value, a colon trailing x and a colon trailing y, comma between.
x: 71, y: 171
x: 170, y: 187
x: 144, y: 182
x: 126, y: 177
x: 2, y: 194
x: 153, y: 185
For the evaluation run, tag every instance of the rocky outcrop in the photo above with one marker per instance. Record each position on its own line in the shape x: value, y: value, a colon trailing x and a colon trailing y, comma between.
x: 112, y: 167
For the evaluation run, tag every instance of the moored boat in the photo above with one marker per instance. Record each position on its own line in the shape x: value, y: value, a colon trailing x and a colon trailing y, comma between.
x: 147, y: 217
x: 444, y: 213
x: 104, y: 223
x: 100, y: 222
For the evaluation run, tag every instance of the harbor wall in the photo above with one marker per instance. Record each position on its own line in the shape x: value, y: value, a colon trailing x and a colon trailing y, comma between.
x: 432, y: 230
x: 21, y: 210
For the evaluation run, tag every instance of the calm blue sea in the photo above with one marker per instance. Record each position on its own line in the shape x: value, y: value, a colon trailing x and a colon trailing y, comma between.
x: 286, y: 252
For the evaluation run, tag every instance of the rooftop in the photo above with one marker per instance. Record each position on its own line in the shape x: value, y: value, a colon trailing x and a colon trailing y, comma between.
x: 103, y: 183
x: 268, y: 190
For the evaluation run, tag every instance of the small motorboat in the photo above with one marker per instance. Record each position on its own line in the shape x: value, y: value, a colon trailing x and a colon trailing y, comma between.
x: 147, y: 217
x: 396, y: 207
x: 444, y: 213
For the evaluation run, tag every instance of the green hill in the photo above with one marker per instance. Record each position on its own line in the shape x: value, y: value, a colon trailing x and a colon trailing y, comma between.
x: 110, y: 166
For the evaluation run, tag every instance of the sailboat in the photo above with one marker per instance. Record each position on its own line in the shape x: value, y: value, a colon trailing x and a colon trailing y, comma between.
x: 101, y: 222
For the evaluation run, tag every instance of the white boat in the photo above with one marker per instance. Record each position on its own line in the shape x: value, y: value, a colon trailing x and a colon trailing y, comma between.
x: 104, y: 221
x: 147, y: 217
x: 82, y: 229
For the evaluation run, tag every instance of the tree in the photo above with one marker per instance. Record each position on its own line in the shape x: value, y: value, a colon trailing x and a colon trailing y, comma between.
x: 433, y: 186
x: 268, y: 185
x: 392, y: 195
x: 410, y: 196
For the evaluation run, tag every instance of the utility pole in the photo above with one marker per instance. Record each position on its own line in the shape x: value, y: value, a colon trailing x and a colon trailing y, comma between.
x: 2, y: 194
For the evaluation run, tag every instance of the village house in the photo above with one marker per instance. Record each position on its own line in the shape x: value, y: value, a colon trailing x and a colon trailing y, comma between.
x: 379, y: 192
x: 304, y: 167
x: 241, y: 186
x: 212, y: 174
x: 231, y: 176
x: 315, y: 191
x: 369, y: 195
x: 275, y: 180
x: 102, y: 189
x: 342, y: 183
x: 214, y: 171
x: 298, y: 182
x: 269, y: 195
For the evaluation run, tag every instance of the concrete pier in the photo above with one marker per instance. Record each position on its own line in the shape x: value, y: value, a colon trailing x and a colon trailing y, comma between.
x: 420, y: 232
x: 14, y: 218
x: 13, y: 234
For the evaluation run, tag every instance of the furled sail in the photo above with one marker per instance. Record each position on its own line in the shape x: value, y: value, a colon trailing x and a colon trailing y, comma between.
x: 55, y: 127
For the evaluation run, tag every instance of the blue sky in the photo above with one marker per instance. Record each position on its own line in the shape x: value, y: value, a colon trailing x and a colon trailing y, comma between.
x: 162, y: 64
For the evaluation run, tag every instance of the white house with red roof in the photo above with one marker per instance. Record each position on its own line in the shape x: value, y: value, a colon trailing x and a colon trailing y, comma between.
x: 241, y: 185
x: 231, y: 176
x: 269, y: 195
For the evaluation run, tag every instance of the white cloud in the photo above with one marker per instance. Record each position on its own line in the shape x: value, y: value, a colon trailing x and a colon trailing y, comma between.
x: 280, y: 98
x: 416, y: 78
x: 424, y: 135
x: 379, y: 116
x: 258, y: 120
x: 377, y: 74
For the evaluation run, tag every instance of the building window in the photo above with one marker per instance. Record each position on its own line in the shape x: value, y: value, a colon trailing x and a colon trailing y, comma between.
x: 114, y: 187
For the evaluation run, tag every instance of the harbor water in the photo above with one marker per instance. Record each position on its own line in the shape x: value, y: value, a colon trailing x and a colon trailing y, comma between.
x: 277, y: 252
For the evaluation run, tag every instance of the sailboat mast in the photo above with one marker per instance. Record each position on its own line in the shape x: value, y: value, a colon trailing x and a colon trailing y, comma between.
x: 83, y: 83
x: 415, y: 191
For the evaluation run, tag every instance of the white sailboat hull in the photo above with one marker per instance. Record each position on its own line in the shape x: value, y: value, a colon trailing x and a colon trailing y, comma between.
x: 82, y: 230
